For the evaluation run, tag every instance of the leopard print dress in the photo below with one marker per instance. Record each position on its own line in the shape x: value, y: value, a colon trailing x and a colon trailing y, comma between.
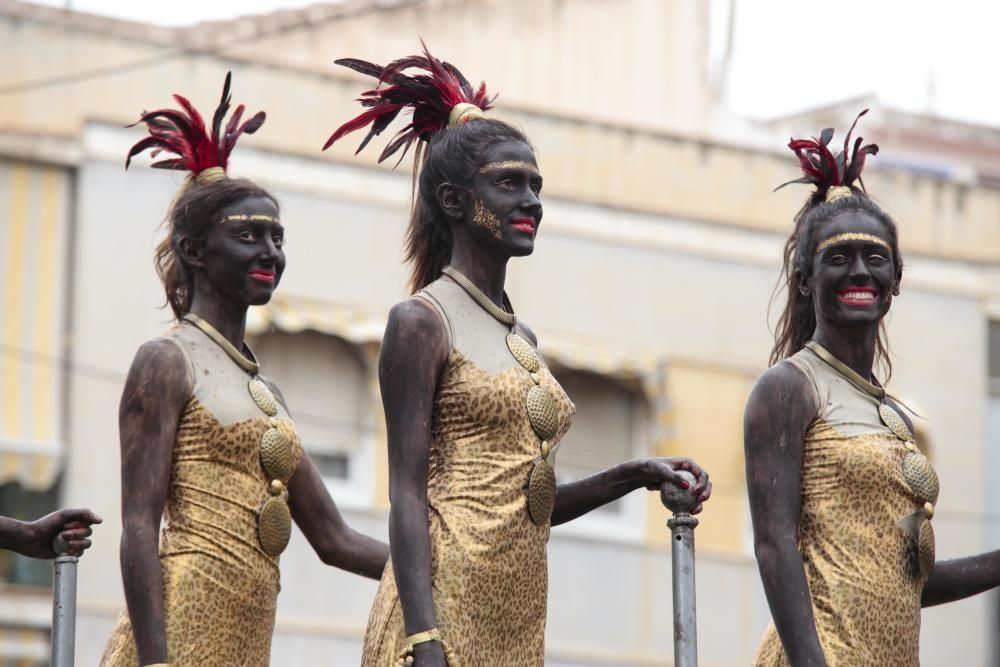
x: 861, y: 567
x: 219, y: 587
x: 488, y: 560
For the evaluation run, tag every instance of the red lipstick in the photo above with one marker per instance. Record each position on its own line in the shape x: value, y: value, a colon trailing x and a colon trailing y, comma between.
x: 263, y: 275
x: 525, y: 225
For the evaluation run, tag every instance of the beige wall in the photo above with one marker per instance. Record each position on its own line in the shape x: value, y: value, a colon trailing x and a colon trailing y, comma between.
x: 657, y: 245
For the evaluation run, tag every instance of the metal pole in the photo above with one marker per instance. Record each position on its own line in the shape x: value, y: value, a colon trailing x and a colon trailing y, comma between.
x: 63, y: 605
x: 680, y: 502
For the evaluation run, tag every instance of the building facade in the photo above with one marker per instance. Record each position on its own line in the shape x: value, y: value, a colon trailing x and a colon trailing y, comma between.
x: 649, y: 290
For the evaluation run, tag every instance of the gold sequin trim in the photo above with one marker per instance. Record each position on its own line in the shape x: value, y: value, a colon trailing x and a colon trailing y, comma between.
x: 507, y: 164
x: 851, y: 236
x: 243, y: 217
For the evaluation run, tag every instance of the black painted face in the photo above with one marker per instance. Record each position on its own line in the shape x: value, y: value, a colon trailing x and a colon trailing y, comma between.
x: 854, y: 279
x: 505, y: 210
x: 243, y: 256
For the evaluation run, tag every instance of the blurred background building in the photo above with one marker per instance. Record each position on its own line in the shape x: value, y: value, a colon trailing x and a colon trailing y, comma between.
x: 649, y: 291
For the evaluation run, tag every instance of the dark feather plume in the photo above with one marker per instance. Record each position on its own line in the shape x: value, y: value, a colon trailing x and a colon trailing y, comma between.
x: 183, y: 133
x: 824, y: 169
x: 429, y: 94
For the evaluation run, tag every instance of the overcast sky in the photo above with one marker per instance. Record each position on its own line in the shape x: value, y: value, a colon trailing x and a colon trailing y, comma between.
x: 788, y: 54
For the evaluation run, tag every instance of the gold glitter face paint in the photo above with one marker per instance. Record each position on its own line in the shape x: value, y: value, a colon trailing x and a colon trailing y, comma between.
x: 507, y: 164
x: 851, y: 236
x: 243, y: 217
x: 487, y: 219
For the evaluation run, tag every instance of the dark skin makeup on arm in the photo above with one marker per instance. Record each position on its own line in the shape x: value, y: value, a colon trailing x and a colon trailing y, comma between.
x: 237, y: 264
x: 495, y: 219
x: 852, y: 284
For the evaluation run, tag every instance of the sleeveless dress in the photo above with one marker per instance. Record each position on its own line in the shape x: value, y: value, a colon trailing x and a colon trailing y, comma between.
x: 488, y: 559
x: 862, y: 569
x: 219, y: 586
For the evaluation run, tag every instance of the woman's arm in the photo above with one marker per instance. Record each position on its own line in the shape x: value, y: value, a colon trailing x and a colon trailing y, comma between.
x: 778, y: 414
x: 156, y: 391
x: 574, y: 499
x: 961, y: 578
x: 414, y: 351
x: 335, y: 542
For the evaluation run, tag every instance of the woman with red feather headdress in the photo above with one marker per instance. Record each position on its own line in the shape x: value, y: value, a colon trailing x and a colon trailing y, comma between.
x: 473, y: 415
x: 207, y: 442
x: 840, y: 495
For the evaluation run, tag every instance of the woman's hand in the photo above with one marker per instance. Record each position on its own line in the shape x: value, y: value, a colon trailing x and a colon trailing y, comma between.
x: 70, y: 526
x: 35, y: 538
x: 429, y: 654
x: 654, y: 473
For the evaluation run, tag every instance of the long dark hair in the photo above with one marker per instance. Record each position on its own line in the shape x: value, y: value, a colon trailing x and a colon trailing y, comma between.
x: 452, y: 156
x: 827, y: 172
x: 449, y: 150
x: 195, y: 209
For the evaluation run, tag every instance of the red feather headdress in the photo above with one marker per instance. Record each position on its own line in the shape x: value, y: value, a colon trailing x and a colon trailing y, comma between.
x: 431, y: 96
x: 824, y: 169
x: 183, y: 133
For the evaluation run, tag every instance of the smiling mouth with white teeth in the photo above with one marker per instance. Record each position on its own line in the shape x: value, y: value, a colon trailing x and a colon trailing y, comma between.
x: 858, y: 297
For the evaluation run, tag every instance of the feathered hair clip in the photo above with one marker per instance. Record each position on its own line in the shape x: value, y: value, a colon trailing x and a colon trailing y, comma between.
x: 439, y: 97
x: 183, y: 133
x: 832, y: 174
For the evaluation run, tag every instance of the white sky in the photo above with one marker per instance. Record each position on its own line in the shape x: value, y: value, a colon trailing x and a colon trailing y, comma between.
x: 788, y: 54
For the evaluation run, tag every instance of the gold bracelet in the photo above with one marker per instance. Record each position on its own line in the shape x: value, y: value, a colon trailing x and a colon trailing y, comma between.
x: 432, y: 635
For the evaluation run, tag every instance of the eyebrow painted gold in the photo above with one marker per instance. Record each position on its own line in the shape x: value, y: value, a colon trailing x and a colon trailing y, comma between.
x: 851, y: 236
x: 243, y: 217
x: 507, y: 164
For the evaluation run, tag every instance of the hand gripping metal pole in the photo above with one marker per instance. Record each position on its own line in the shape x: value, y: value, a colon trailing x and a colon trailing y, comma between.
x: 63, y: 605
x: 680, y: 502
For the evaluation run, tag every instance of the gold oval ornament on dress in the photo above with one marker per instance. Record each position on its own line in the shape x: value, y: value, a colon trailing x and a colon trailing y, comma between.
x: 926, y: 549
x: 543, y: 413
x: 895, y: 423
x: 276, y: 455
x: 262, y: 396
x: 921, y: 477
x: 541, y: 492
x: 523, y: 352
x: 274, y: 526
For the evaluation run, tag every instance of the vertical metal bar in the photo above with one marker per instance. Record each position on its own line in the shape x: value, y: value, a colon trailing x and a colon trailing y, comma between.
x: 63, y: 606
x: 682, y: 526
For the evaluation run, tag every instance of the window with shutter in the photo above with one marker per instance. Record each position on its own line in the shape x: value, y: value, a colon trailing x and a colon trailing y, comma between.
x: 323, y: 380
x: 605, y: 430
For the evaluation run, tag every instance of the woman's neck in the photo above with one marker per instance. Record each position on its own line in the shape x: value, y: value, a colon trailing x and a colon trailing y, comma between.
x: 486, y: 270
x: 853, y: 346
x: 228, y: 318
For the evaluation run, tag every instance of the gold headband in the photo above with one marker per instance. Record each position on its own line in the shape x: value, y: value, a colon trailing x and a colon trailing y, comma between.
x: 210, y: 175
x: 506, y: 164
x: 243, y: 217
x: 851, y: 236
x: 838, y: 192
x: 463, y: 112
